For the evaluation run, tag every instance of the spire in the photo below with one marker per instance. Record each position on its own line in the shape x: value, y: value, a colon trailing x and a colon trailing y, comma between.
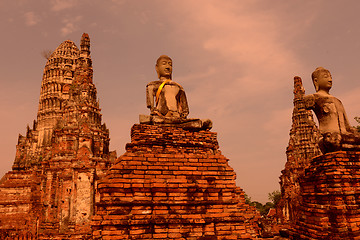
x: 58, y: 75
x: 85, y: 45
x: 301, y: 149
x: 299, y: 91
x: 68, y: 98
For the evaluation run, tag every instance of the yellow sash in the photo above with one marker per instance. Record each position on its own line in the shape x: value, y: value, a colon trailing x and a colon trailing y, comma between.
x: 159, y: 90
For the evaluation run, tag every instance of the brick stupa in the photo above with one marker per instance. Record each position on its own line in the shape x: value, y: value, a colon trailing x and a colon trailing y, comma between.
x: 330, y: 198
x: 172, y: 182
x: 51, y: 191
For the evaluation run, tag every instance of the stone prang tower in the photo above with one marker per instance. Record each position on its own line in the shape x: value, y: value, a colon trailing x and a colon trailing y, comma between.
x: 67, y: 81
x: 303, y: 146
x: 51, y: 191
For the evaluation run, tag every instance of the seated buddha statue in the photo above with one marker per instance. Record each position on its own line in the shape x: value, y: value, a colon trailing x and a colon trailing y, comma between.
x: 167, y: 101
x: 336, y: 132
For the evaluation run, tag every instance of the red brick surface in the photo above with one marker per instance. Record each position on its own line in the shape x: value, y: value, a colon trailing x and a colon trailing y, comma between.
x: 19, y: 205
x: 172, y: 184
x: 330, y: 193
x: 51, y: 192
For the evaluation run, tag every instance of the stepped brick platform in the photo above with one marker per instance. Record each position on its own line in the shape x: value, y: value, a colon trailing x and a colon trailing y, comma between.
x: 172, y: 184
x: 330, y: 193
x: 19, y: 204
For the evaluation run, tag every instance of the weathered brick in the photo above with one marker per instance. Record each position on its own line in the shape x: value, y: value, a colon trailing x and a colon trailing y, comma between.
x: 328, y: 209
x: 176, y: 202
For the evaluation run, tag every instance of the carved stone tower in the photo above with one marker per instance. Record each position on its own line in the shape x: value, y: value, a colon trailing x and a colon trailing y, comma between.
x: 58, y: 76
x: 51, y: 192
x: 303, y: 146
x: 57, y: 79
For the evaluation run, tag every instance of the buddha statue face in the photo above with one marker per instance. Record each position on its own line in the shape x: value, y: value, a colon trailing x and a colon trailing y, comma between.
x: 322, y: 79
x: 164, y: 67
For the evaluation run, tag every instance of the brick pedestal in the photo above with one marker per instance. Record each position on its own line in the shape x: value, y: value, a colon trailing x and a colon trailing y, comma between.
x: 20, y: 206
x: 330, y: 192
x: 172, y: 184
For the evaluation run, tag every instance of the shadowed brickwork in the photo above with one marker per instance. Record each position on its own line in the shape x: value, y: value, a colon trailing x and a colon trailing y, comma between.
x: 330, y: 206
x: 172, y: 184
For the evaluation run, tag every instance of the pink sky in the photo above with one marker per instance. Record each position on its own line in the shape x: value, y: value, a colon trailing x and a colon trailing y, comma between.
x: 235, y: 59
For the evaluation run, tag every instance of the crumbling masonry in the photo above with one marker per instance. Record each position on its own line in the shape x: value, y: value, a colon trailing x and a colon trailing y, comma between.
x: 172, y: 183
x: 51, y: 191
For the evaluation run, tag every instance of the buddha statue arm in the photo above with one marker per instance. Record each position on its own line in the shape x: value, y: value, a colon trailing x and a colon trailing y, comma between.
x: 150, y: 97
x: 183, y: 104
x: 348, y: 127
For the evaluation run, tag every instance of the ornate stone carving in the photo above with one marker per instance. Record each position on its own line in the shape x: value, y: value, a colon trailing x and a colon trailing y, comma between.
x: 303, y: 146
x: 52, y: 190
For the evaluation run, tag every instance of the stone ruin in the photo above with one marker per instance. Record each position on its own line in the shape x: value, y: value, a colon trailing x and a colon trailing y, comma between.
x: 51, y: 191
x: 171, y: 183
x: 321, y: 180
x: 303, y: 146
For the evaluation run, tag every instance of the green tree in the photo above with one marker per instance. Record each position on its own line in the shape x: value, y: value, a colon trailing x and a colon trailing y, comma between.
x: 357, y: 119
x: 248, y: 199
x: 275, y: 197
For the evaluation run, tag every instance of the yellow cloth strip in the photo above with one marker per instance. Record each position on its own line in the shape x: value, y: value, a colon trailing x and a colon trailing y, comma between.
x: 159, y: 90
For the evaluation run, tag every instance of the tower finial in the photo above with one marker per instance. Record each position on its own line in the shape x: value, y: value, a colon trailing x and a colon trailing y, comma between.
x: 85, y: 45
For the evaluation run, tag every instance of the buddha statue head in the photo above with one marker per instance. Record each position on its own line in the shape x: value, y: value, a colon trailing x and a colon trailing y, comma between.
x: 322, y: 80
x: 164, y: 67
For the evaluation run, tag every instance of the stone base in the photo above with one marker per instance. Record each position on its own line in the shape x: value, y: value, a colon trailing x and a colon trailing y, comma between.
x: 19, y: 205
x: 185, y: 123
x: 172, y: 184
x: 330, y: 193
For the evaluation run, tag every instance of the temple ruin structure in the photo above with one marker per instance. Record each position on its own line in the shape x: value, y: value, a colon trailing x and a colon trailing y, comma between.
x: 51, y: 191
x: 172, y: 182
x: 303, y: 146
x: 321, y: 180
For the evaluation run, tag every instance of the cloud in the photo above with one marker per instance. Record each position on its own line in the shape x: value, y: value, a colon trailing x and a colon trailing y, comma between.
x: 59, y: 5
x: 249, y: 38
x: 70, y: 25
x: 249, y: 65
x: 68, y: 28
x: 118, y: 2
x: 31, y: 19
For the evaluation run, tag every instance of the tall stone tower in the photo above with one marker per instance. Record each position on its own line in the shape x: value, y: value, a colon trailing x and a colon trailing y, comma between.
x: 58, y: 75
x: 57, y: 78
x: 51, y: 192
x: 303, y: 146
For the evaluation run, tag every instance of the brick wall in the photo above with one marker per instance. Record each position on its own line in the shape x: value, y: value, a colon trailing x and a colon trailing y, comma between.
x: 173, y: 184
x: 330, y: 193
